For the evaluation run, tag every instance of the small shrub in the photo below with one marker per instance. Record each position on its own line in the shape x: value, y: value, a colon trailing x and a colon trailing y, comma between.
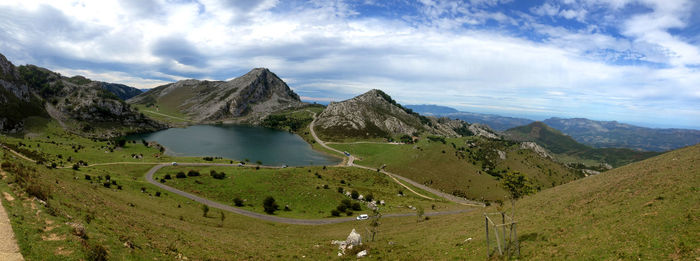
x: 354, y: 194
x: 180, y: 175
x: 193, y: 173
x: 325, y: 186
x: 238, y: 202
x: 270, y: 205
x: 97, y: 252
x: 340, y: 190
x: 335, y: 213
x: 205, y: 210
x: 356, y: 206
x: 167, y: 176
x: 369, y: 198
x: 157, y: 193
x: 217, y: 175
x: 87, y: 177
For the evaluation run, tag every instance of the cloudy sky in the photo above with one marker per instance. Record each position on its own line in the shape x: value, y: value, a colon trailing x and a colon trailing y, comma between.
x: 626, y: 60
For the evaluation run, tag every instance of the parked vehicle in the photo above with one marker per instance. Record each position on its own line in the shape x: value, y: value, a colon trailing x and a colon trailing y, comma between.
x: 363, y: 217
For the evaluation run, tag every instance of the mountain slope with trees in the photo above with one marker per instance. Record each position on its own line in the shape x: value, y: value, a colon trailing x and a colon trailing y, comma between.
x: 561, y: 144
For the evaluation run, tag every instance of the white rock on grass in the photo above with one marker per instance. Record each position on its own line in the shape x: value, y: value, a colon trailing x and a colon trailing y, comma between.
x: 362, y: 253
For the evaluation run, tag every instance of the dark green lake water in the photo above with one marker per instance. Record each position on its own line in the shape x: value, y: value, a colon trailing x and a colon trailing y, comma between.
x: 272, y: 147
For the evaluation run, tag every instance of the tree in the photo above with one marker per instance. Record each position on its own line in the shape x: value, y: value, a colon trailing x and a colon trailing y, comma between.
x: 354, y: 194
x: 517, y: 186
x: 369, y: 197
x: 205, y: 210
x: 222, y: 217
x: 270, y: 205
x: 419, y: 213
x: 238, y: 202
x: 374, y: 223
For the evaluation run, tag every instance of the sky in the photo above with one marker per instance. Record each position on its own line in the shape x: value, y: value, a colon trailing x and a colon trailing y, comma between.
x: 626, y: 60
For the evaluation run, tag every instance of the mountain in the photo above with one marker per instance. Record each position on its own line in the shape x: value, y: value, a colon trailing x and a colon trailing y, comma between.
x: 429, y: 109
x: 375, y: 114
x: 17, y: 101
x: 563, y: 145
x: 77, y: 103
x: 248, y: 98
x: 496, y: 122
x: 615, y: 134
x: 122, y: 91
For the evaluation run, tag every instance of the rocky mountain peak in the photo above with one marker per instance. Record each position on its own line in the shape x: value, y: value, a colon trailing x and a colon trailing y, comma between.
x: 6, y: 67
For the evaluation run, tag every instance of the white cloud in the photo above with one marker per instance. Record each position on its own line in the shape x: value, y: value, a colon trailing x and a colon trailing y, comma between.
x: 327, y: 47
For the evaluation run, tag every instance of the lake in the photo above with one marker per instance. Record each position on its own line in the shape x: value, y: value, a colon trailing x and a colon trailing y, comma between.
x: 272, y: 147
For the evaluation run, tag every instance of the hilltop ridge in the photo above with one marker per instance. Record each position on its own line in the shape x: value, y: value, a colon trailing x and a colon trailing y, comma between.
x: 248, y: 98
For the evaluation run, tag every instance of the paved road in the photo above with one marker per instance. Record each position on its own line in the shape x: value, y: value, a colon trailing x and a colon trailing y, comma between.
x: 449, y: 197
x: 295, y: 221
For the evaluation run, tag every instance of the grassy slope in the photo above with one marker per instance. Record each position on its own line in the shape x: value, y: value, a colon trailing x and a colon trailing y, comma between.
x: 647, y: 209
x: 569, y: 150
x: 299, y: 188
x: 424, y: 162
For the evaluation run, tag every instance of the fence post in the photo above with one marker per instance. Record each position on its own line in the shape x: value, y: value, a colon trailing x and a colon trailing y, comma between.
x: 488, y: 246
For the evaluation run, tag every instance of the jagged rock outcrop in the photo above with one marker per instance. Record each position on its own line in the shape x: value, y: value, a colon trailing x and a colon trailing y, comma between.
x: 77, y: 103
x: 248, y: 98
x: 528, y: 145
x: 375, y: 114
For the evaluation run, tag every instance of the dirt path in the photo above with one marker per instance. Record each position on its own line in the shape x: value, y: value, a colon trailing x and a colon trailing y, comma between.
x: 18, y: 154
x: 9, y: 250
x: 395, y: 177
x: 295, y: 221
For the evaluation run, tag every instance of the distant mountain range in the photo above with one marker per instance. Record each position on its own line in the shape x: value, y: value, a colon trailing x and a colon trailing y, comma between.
x: 496, y: 122
x: 599, y: 134
x: 561, y: 144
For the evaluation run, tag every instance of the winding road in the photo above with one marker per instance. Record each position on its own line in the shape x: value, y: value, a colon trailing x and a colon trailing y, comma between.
x: 295, y: 221
x: 351, y: 163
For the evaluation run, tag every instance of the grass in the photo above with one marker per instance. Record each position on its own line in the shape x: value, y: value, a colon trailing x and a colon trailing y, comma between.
x: 457, y: 171
x: 299, y: 188
x: 646, y: 210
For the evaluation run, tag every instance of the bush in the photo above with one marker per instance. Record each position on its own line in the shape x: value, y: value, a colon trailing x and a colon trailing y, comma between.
x: 205, y: 210
x: 157, y: 193
x: 369, y: 198
x: 335, y: 213
x: 341, y: 208
x: 180, y: 175
x: 167, y: 176
x: 217, y: 175
x: 340, y: 190
x: 354, y: 194
x: 270, y: 205
x: 97, y: 252
x: 193, y: 173
x: 208, y: 158
x: 76, y: 166
x: 356, y: 206
x: 238, y: 202
x: 38, y: 191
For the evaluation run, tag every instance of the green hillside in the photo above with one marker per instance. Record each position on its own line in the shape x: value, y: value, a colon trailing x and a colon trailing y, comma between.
x: 470, y: 167
x: 645, y: 210
x: 569, y: 149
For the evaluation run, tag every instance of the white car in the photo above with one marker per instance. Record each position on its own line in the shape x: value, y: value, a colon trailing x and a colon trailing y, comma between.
x: 363, y: 217
x: 174, y: 163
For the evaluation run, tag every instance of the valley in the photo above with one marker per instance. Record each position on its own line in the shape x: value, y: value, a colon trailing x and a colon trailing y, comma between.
x: 257, y: 174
